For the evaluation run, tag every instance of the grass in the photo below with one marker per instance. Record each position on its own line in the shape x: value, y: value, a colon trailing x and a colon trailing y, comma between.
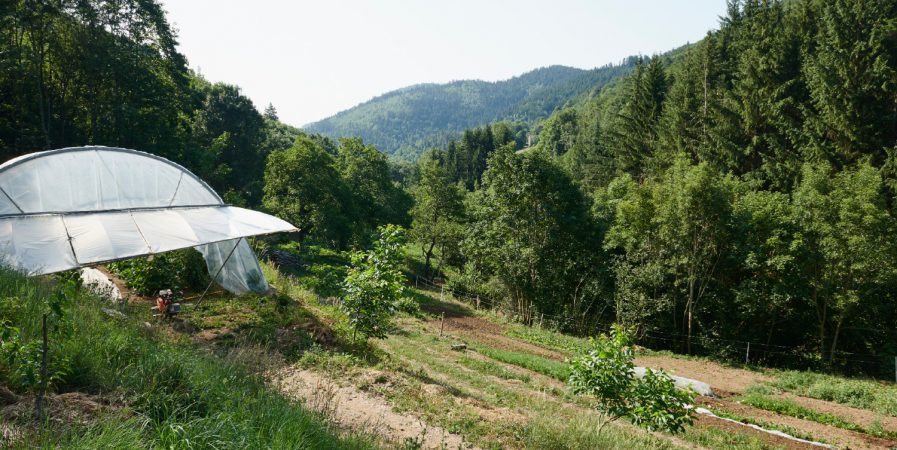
x: 444, y: 388
x: 790, y: 408
x: 545, y: 366
x: 875, y: 396
x: 494, y: 370
x: 764, y: 424
x: 758, y: 398
x: 176, y: 395
x: 256, y: 319
x: 724, y: 439
x: 549, y: 339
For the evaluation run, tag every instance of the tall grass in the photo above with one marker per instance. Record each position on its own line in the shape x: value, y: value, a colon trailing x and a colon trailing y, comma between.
x: 178, y: 396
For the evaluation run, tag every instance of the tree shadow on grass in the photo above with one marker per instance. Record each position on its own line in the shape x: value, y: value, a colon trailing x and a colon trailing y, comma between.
x: 437, y: 307
x: 426, y: 379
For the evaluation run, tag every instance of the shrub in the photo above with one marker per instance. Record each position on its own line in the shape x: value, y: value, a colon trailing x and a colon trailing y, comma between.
x: 181, y: 269
x: 606, y: 372
x: 375, y: 284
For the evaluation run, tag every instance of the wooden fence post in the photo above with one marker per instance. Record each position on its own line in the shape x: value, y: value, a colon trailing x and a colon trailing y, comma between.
x: 442, y: 324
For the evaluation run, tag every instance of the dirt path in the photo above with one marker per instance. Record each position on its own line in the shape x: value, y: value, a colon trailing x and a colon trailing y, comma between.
x: 353, y: 409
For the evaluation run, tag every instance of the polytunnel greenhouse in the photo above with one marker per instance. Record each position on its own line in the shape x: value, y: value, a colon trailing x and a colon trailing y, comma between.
x: 76, y: 207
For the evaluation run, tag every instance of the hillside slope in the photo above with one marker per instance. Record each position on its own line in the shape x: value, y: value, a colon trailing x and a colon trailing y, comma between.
x: 409, y: 120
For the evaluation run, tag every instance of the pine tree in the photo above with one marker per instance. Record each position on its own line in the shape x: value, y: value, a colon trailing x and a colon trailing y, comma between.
x: 852, y: 77
x: 271, y: 112
x: 638, y: 133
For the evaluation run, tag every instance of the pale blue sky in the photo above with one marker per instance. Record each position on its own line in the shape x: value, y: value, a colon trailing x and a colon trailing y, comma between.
x: 315, y: 58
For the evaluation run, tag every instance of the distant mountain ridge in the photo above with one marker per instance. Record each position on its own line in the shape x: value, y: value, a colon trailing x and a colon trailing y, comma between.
x: 407, y: 121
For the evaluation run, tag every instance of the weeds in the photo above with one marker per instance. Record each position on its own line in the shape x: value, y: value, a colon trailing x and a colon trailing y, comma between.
x: 551, y: 368
x: 492, y: 369
x: 790, y: 408
x: 865, y: 394
x: 177, y: 395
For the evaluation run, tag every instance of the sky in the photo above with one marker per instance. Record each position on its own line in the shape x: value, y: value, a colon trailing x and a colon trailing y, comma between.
x: 312, y: 59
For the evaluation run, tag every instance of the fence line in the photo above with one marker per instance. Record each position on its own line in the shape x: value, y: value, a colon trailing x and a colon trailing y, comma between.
x: 757, y: 347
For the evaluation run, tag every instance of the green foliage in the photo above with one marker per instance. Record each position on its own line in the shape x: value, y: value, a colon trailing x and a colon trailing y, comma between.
x: 406, y: 122
x: 22, y: 361
x: 375, y: 283
x: 181, y: 269
x: 531, y: 229
x: 336, y: 199
x: 674, y: 234
x: 181, y: 394
x: 495, y: 370
x: 437, y: 214
x: 326, y: 280
x: 22, y: 352
x: 864, y: 394
x: 376, y: 200
x: 606, y: 373
x: 303, y: 186
x: 548, y: 367
x: 789, y: 408
x: 851, y: 79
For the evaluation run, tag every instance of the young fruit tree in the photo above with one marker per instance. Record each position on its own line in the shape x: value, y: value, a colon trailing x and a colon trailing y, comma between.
x: 607, y: 373
x: 375, y: 284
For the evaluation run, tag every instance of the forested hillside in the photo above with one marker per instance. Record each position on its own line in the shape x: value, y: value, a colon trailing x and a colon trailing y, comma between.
x: 408, y: 121
x: 744, y: 192
x: 741, y: 190
x: 74, y: 73
x: 733, y: 199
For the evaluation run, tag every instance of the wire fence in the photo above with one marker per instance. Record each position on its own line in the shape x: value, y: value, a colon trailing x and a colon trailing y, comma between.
x: 731, y: 349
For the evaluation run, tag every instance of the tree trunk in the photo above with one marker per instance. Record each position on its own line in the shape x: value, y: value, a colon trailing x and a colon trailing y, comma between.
x: 831, y: 355
x: 428, y: 254
x: 821, y: 312
x: 690, y: 306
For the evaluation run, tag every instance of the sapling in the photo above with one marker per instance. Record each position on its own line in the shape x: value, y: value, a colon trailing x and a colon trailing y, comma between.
x: 606, y: 372
x: 375, y: 284
x: 29, y: 359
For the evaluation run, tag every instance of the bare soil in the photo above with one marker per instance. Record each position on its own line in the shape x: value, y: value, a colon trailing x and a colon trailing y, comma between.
x: 769, y: 439
x: 833, y: 435
x: 477, y: 329
x: 63, y: 410
x: 728, y: 379
x: 862, y: 417
x: 356, y: 410
x: 725, y: 381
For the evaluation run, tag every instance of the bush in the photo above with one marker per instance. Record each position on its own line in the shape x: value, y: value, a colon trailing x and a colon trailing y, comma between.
x: 180, y: 269
x: 606, y: 372
x: 375, y: 284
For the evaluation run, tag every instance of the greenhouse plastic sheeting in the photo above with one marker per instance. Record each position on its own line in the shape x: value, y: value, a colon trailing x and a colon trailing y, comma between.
x: 74, y: 207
